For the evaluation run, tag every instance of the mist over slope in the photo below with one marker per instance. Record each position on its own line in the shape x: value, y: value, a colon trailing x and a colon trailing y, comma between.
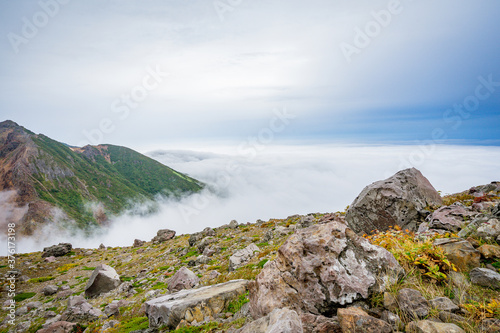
x: 279, y: 181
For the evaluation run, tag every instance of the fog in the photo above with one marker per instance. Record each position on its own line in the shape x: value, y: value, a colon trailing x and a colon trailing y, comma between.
x: 277, y: 181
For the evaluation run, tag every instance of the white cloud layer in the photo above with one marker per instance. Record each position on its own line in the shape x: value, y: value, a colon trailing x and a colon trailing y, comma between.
x: 280, y: 181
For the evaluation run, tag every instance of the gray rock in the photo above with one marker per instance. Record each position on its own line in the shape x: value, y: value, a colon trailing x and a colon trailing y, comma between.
x: 278, y: 321
x: 450, y: 218
x: 459, y: 252
x: 33, y: 305
x: 321, y: 267
x: 163, y: 235
x: 489, y: 229
x: 193, y: 305
x: 109, y: 324
x: 242, y: 256
x: 412, y: 303
x: 79, y: 310
x: 233, y: 224
x: 448, y: 317
x: 398, y: 200
x: 204, y: 243
x: 57, y: 250
x: 428, y: 326
x: 138, y: 243
x: 50, y: 290
x: 485, y: 277
x: 444, y: 304
x: 183, y: 279
x: 393, y: 320
x: 103, y: 279
x: 200, y: 260
x: 319, y: 324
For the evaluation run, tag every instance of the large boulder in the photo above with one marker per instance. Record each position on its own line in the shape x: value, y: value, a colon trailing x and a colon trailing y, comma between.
x: 193, y: 305
x: 163, y: 235
x: 79, y: 310
x: 489, y: 251
x: 399, y: 200
x: 319, y: 268
x: 103, y: 279
x: 59, y: 327
x: 355, y: 320
x: 184, y: 278
x: 459, y: 252
x: 278, y: 321
x: 57, y: 250
x: 242, y: 256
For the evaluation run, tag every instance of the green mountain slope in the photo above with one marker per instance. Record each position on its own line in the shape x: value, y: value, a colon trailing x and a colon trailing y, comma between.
x: 88, y: 183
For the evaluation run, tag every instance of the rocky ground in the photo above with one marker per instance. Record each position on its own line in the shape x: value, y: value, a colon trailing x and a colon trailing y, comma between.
x: 400, y: 259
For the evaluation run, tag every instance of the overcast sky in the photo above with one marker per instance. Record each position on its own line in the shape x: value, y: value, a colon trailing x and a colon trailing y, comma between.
x: 174, y: 72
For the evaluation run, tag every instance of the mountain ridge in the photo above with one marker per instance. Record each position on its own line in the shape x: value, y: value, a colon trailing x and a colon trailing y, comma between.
x: 48, y: 174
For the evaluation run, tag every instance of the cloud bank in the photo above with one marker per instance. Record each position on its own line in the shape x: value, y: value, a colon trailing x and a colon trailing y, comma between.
x: 280, y: 181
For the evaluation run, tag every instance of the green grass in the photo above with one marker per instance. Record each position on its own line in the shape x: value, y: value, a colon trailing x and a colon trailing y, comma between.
x: 85, y: 268
x: 209, y: 327
x: 235, y: 305
x: 262, y: 263
x: 160, y: 285
x: 41, y: 279
x: 22, y: 296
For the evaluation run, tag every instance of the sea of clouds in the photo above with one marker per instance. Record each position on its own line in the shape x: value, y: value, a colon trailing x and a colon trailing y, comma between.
x: 277, y: 181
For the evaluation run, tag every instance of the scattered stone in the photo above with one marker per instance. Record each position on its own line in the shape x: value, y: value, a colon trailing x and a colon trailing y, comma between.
x: 233, y: 224
x: 49, y: 314
x: 210, y: 251
x: 242, y: 256
x: 202, y: 259
x: 448, y: 317
x: 213, y: 275
x: 57, y: 250
x: 80, y: 311
x: 485, y: 277
x: 460, y: 252
x: 194, y: 304
x: 109, y: 324
x: 489, y: 251
x: 279, y: 320
x: 163, y: 235
x: 33, y: 305
x: 412, y: 303
x: 208, y: 232
x: 393, y: 320
x: 50, y: 259
x: 444, y: 304
x: 428, y: 326
x: 204, y: 243
x: 103, y: 279
x: 355, y: 320
x: 390, y: 302
x: 49, y: 290
x: 58, y: 327
x: 183, y: 279
x: 319, y: 268
x: 102, y: 247
x: 399, y: 200
x: 138, y: 243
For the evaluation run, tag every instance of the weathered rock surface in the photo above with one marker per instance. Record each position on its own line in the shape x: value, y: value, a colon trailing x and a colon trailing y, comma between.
x: 413, y: 303
x: 58, y: 327
x: 489, y: 229
x: 355, y: 320
x: 194, y: 304
x: 163, y: 235
x: 319, y: 268
x: 49, y: 290
x: 393, y: 319
x: 103, y: 279
x: 444, y: 304
x: 319, y: 324
x: 489, y: 251
x: 242, y: 256
x: 79, y: 310
x: 460, y: 252
x: 427, y: 326
x: 450, y: 218
x: 399, y: 200
x: 138, y: 243
x: 278, y: 321
x: 57, y: 250
x: 485, y: 277
x: 184, y: 278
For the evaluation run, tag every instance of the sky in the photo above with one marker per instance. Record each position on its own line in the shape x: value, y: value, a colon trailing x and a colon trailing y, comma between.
x: 176, y: 73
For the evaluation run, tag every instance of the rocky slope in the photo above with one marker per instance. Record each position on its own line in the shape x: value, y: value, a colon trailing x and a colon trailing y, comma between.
x: 87, y: 184
x: 298, y: 274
